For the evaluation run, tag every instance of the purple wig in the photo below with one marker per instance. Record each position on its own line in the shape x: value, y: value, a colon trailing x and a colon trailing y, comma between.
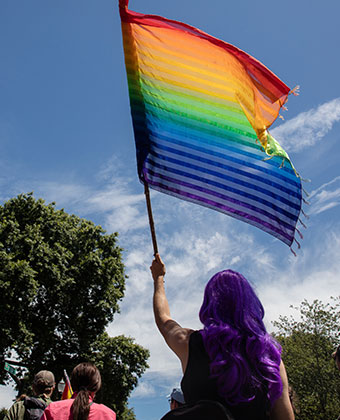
x: 245, y: 359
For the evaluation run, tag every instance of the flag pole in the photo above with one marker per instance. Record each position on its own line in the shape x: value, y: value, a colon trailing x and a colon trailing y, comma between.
x: 151, y: 223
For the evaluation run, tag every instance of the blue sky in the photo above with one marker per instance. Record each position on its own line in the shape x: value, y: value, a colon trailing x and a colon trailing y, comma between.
x: 66, y: 134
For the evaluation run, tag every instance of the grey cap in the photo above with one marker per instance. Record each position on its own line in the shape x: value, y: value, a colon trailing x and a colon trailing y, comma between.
x: 177, y: 395
x: 44, y: 378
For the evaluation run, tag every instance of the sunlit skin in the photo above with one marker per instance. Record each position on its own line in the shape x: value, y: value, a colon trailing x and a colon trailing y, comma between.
x: 174, y: 404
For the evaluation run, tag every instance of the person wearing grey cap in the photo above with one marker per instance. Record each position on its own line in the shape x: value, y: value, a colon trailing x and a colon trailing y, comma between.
x: 176, y: 398
x: 32, y: 408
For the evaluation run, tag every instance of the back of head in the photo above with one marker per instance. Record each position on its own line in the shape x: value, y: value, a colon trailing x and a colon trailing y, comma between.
x: 43, y: 382
x: 85, y: 380
x: 244, y: 358
x: 230, y: 299
x: 176, y: 398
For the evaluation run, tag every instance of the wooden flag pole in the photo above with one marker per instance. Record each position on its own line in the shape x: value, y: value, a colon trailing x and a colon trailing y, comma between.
x: 151, y: 223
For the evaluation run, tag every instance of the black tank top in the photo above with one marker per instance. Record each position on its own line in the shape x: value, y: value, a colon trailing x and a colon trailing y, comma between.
x: 197, y: 385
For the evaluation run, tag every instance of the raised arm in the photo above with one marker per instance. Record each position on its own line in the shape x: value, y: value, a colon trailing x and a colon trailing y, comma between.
x: 175, y: 336
x: 282, y: 407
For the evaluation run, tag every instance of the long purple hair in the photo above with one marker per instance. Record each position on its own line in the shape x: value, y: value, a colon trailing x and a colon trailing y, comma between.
x: 245, y: 359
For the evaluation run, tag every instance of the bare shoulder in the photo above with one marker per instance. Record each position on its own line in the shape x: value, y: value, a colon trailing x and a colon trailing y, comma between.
x: 177, y: 339
x: 175, y: 334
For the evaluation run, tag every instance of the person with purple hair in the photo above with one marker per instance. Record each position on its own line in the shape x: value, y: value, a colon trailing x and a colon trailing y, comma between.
x: 232, y: 360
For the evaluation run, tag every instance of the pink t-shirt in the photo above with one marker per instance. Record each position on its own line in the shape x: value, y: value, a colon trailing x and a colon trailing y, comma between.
x: 61, y: 410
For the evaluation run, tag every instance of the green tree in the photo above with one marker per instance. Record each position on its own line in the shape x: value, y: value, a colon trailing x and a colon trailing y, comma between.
x: 61, y: 279
x: 307, y: 345
x: 113, y: 356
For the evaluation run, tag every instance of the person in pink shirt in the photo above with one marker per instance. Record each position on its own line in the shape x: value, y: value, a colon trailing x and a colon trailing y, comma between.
x: 86, y: 382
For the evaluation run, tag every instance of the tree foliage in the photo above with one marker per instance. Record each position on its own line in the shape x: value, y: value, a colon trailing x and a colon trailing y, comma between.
x: 3, y: 413
x: 113, y: 356
x: 307, y: 345
x: 61, y: 280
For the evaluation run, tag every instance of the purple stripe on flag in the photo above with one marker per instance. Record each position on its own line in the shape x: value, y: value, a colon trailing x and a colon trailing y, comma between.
x: 216, y: 194
x: 286, y: 237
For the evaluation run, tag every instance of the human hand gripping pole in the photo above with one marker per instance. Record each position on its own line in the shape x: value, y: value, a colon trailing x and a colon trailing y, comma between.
x: 157, y: 267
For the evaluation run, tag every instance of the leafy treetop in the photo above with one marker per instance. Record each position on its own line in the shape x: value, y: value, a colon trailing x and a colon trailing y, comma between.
x: 307, y: 346
x: 61, y: 279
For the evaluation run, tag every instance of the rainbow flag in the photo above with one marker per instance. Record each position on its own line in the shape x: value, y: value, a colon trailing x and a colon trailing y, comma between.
x: 67, y: 392
x: 201, y: 109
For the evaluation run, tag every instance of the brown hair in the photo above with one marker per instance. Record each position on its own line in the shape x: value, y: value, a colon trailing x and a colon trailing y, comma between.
x: 85, y: 379
x: 42, y: 389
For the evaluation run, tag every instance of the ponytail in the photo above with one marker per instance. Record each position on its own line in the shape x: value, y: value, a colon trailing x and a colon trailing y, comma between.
x: 81, y: 406
x: 85, y: 380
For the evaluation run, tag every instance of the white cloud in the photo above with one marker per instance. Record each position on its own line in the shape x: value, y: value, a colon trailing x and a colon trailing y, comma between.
x: 64, y: 194
x: 325, y: 197
x: 7, y: 395
x: 115, y: 202
x: 308, y: 128
x: 291, y: 288
x: 145, y: 389
x: 126, y: 218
